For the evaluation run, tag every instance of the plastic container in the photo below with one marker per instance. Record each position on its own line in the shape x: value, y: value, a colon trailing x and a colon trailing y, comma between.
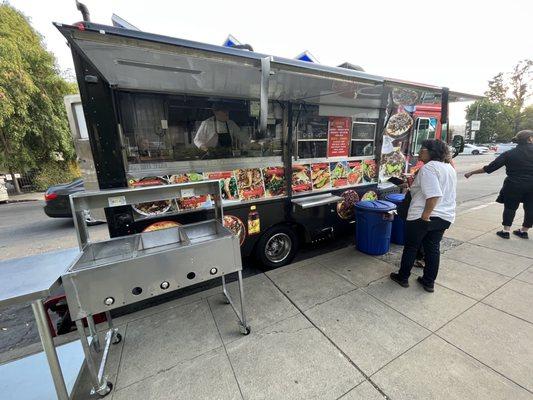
x: 373, y: 226
x: 398, y: 225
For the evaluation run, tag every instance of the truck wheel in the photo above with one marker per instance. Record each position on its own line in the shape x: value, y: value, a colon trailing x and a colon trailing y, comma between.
x: 277, y: 246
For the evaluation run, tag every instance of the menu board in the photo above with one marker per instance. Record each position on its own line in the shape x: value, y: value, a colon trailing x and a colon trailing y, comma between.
x: 339, y: 136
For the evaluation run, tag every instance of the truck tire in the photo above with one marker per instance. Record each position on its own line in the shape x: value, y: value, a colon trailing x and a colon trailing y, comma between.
x: 277, y: 246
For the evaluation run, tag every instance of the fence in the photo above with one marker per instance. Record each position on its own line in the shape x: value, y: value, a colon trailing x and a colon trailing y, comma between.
x: 25, y: 181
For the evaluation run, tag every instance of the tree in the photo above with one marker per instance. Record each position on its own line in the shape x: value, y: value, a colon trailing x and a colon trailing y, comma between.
x: 33, y: 121
x: 496, y: 120
x: 497, y: 92
x: 520, y: 83
x: 526, y: 119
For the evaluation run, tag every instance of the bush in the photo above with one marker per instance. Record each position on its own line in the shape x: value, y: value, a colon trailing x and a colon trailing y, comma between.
x: 54, y: 172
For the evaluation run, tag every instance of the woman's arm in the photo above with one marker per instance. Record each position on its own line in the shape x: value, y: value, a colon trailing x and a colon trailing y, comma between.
x: 431, y: 203
x: 474, y: 172
x: 493, y: 166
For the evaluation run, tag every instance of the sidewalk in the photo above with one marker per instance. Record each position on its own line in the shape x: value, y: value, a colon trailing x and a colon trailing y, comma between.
x: 33, y: 196
x: 335, y: 327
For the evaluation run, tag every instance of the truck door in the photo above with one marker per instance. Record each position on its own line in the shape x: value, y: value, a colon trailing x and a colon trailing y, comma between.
x: 425, y: 128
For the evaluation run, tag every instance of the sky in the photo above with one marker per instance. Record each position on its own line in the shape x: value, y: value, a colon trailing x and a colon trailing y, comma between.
x: 460, y: 44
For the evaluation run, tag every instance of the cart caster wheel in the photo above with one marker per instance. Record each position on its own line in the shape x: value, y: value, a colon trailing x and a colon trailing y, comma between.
x: 245, y: 330
x: 117, y: 339
x: 106, y: 391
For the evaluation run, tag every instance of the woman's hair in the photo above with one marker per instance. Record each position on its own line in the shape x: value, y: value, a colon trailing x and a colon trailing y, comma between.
x: 522, y: 137
x: 438, y: 150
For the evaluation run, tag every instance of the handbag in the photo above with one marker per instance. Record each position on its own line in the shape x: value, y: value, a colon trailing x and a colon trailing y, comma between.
x: 403, y: 208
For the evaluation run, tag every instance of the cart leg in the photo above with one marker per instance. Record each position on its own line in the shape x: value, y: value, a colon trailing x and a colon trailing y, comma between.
x: 117, y: 337
x: 225, y: 290
x: 99, y: 386
x: 245, y: 328
x: 93, y: 332
x: 109, y: 319
x: 49, y: 349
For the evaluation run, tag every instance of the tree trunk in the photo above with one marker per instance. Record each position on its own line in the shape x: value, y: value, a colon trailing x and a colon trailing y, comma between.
x: 15, y: 181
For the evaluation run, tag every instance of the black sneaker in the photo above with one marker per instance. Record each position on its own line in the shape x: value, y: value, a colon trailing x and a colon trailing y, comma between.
x: 503, y: 234
x: 396, y: 278
x: 426, y: 287
x: 521, y: 234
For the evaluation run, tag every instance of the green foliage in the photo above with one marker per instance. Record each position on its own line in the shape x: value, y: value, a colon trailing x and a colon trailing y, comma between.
x: 526, y: 119
x: 496, y: 120
x: 53, y: 173
x: 502, y: 113
x: 33, y: 121
x: 497, y: 92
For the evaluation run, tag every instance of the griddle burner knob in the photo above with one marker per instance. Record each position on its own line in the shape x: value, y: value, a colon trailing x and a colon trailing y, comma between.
x: 109, y: 301
x: 165, y: 285
x: 213, y: 271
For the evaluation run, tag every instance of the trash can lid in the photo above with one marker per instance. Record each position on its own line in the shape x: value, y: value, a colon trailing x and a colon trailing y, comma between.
x: 395, y: 197
x: 375, y: 205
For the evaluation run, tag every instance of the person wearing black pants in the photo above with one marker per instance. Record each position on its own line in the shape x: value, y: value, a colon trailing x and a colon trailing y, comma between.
x: 428, y: 235
x: 431, y: 212
x: 518, y: 185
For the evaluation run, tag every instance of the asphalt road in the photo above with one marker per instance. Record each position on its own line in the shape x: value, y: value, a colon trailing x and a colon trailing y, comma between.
x: 479, y: 185
x: 27, y: 230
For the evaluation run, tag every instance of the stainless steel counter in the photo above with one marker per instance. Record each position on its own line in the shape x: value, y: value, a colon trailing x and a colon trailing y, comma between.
x: 32, y: 279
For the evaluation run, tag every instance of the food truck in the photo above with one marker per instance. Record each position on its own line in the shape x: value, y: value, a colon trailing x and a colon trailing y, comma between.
x: 293, y: 144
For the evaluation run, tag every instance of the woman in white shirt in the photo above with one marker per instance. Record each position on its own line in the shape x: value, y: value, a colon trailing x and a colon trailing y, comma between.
x: 431, y: 212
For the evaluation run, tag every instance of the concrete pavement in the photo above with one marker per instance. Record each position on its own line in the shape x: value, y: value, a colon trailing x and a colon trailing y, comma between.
x: 335, y: 327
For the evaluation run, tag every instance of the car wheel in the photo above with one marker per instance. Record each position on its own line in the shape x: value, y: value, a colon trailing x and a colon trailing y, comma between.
x: 277, y: 246
x: 475, y: 152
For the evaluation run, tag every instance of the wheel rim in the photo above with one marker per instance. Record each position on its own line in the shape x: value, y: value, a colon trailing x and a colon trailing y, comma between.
x: 278, y: 247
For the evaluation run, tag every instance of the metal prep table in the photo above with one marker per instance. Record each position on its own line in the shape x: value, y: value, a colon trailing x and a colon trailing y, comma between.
x: 31, y: 279
x: 125, y: 270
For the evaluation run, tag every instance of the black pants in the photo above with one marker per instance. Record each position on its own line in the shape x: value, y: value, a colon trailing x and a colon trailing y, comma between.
x: 429, y: 235
x: 511, y: 204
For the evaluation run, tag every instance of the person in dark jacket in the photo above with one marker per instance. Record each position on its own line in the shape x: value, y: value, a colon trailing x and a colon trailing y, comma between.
x: 518, y: 185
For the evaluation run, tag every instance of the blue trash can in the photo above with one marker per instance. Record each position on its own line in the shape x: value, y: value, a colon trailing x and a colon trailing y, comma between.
x: 398, y: 225
x: 373, y: 226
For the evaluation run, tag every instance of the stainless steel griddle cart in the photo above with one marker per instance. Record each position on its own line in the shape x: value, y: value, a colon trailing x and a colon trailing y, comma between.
x: 128, y: 269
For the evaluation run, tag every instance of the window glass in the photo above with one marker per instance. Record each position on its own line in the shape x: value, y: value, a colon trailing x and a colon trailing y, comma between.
x: 363, y: 137
x: 311, y: 133
x: 426, y: 129
x: 182, y: 128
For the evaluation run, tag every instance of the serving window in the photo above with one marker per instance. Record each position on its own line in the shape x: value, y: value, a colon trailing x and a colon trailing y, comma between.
x: 363, y: 138
x: 319, y: 136
x: 166, y: 128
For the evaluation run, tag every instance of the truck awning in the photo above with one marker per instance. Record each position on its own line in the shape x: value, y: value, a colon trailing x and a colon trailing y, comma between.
x: 140, y: 61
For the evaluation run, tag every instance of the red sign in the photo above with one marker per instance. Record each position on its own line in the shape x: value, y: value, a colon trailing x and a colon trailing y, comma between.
x: 339, y: 136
